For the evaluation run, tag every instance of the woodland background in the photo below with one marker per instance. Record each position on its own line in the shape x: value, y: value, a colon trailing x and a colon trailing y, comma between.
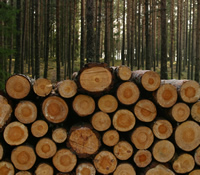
x: 54, y: 38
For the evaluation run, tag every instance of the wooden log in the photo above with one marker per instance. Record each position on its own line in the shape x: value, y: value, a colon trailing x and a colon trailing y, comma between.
x: 95, y: 78
x: 188, y: 90
x: 147, y: 79
x: 142, y: 158
x: 1, y: 151
x: 18, y: 86
x: 184, y: 163
x: 160, y: 169
x: 197, y: 156
x: 6, y: 168
x: 122, y: 72
x: 55, y: 109
x: 83, y: 140
x: 124, y: 168
x: 163, y: 151
x: 83, y: 105
x: 67, y: 88
x: 85, y: 168
x: 5, y: 112
x: 39, y: 128
x: 42, y: 87
x: 64, y: 160
x: 44, y: 169
x: 142, y: 137
x: 195, y: 172
x: 23, y: 157
x: 23, y: 173
x: 110, y: 137
x: 187, y: 135
x: 179, y: 112
x: 59, y: 135
x: 123, y: 120
x: 195, y: 111
x: 45, y: 148
x: 26, y: 112
x: 145, y: 110
x: 162, y: 129
x: 123, y: 150
x: 128, y: 93
x: 105, y: 162
x: 15, y: 133
x: 166, y: 95
x: 108, y: 103
x: 101, y: 121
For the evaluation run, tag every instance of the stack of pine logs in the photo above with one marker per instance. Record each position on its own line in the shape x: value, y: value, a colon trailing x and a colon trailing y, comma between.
x: 106, y: 120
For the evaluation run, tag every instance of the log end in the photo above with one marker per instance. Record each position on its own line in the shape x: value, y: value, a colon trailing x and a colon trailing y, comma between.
x: 59, y: 135
x: 124, y: 168
x: 42, y: 87
x: 85, y: 169
x: 110, y: 137
x: 67, y: 88
x: 6, y: 168
x: 44, y: 168
x: 142, y: 158
x: 39, y: 128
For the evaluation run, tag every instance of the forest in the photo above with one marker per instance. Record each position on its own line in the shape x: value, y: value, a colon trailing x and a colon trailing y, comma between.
x: 54, y: 38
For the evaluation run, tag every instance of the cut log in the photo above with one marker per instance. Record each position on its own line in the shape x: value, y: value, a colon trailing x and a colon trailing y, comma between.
x: 108, y: 103
x: 23, y: 173
x: 124, y: 168
x: 83, y: 105
x: 179, y: 112
x: 67, y: 88
x: 166, y: 95
x: 145, y: 110
x: 85, y: 168
x: 101, y: 121
x: 44, y: 169
x: 105, y: 162
x: 188, y: 90
x: 195, y: 172
x: 59, y: 135
x: 110, y: 137
x: 142, y: 137
x: 184, y: 163
x: 163, y: 151
x: 147, y: 79
x: 128, y: 93
x: 123, y: 150
x: 23, y: 157
x: 195, y: 111
x: 197, y: 156
x: 6, y: 168
x: 1, y: 151
x: 83, y: 141
x: 45, y: 148
x: 64, y: 160
x: 123, y: 120
x: 160, y: 169
x: 95, y: 78
x: 122, y: 72
x: 26, y: 112
x: 55, y: 109
x: 142, y: 158
x: 18, y: 86
x: 39, y: 128
x: 162, y: 129
x: 187, y: 135
x: 42, y: 87
x: 5, y: 111
x: 15, y: 133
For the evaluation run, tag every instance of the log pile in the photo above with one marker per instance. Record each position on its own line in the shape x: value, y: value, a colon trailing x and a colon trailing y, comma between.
x: 106, y: 120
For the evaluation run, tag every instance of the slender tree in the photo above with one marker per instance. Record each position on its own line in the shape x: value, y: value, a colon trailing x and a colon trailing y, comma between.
x: 163, y: 41
x: 197, y: 64
x: 138, y: 39
x: 58, y: 40
x: 82, y: 50
x: 90, y: 50
x: 189, y: 41
x: 123, y: 35
x: 18, y: 38
x: 132, y: 35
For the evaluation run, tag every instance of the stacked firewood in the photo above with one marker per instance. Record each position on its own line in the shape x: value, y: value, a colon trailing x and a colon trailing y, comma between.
x: 106, y: 120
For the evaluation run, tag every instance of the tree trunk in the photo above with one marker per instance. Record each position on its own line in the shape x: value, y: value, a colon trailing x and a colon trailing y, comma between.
x: 123, y: 37
x: 82, y: 50
x: 57, y: 40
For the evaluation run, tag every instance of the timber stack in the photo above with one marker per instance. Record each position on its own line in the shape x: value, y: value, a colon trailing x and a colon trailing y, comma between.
x: 106, y: 120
